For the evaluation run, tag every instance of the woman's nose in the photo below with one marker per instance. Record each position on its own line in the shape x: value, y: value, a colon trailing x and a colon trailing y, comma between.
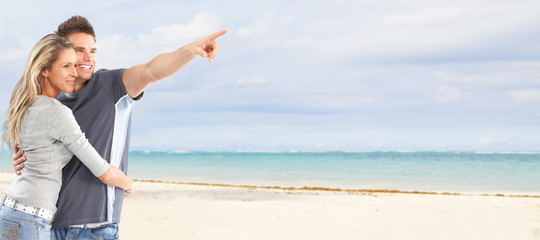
x: 74, y: 71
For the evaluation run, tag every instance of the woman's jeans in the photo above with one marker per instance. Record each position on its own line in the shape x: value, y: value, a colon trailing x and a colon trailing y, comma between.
x: 20, y: 225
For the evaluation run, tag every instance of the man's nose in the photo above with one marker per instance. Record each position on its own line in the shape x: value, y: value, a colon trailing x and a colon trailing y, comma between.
x: 86, y: 56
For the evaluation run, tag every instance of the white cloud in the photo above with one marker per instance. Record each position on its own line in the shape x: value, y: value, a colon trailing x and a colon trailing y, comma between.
x: 299, y: 42
x: 246, y: 31
x: 202, y: 24
x: 21, y: 51
x: 253, y: 80
x: 118, y: 51
x: 492, y: 140
x: 447, y: 93
x: 124, y: 51
x: 441, y: 74
x: 115, y: 3
x: 271, y: 23
x: 485, y: 74
x: 431, y: 31
x: 527, y: 95
x: 231, y: 137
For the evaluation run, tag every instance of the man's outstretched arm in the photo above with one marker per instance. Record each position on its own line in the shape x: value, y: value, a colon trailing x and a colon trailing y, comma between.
x: 138, y: 77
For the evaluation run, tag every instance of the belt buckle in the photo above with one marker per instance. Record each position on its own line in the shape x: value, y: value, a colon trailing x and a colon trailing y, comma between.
x: 8, y: 202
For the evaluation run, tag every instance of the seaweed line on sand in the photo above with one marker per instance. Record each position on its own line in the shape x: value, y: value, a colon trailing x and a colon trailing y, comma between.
x: 327, y: 189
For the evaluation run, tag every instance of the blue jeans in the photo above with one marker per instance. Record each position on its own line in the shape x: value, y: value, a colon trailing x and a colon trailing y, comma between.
x: 109, y: 231
x: 20, y: 225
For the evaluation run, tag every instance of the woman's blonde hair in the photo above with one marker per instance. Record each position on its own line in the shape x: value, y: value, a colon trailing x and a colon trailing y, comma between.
x: 42, y: 56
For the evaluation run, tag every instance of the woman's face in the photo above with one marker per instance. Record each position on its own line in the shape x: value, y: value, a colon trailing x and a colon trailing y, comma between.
x: 61, y: 76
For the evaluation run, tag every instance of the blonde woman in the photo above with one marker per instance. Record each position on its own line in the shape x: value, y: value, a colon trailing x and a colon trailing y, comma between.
x: 48, y: 133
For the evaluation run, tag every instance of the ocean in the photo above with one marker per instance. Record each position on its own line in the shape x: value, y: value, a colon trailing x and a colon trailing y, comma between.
x: 455, y: 172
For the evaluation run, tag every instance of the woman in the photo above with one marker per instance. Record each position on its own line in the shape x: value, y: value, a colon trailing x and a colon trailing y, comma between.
x: 48, y: 133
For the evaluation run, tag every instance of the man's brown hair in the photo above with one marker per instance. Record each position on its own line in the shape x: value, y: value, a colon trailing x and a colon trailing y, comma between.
x: 75, y: 24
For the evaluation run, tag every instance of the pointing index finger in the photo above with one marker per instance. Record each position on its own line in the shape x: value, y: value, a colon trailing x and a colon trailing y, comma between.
x: 217, y: 34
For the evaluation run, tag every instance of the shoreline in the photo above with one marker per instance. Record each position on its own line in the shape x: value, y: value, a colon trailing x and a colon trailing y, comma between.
x: 326, y: 189
x: 330, y: 189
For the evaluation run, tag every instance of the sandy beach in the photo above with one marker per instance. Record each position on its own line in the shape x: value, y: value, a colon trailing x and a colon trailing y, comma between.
x: 188, y: 211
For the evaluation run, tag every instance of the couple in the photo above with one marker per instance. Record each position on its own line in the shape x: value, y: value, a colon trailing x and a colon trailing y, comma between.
x: 80, y: 196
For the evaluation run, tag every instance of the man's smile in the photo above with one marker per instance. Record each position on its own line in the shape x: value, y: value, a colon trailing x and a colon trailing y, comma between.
x: 84, y: 66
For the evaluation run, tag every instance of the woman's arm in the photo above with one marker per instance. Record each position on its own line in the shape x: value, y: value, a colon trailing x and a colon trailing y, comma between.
x: 115, y: 177
x: 63, y: 127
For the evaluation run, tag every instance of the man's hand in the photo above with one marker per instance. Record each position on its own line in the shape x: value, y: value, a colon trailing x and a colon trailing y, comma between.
x: 17, y: 160
x: 206, y: 47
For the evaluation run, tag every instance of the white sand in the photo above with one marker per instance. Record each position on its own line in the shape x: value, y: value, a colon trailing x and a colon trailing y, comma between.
x: 176, y: 211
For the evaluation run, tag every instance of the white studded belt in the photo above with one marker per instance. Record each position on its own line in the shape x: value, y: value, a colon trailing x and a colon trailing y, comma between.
x: 39, y: 212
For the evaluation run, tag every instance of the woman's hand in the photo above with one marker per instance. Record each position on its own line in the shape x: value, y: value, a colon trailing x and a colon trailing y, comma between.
x: 128, y: 192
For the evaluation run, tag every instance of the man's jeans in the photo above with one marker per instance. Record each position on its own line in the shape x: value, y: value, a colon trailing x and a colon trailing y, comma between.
x: 109, y: 231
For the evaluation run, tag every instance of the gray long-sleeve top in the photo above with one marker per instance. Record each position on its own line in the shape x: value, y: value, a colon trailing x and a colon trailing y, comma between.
x: 50, y: 136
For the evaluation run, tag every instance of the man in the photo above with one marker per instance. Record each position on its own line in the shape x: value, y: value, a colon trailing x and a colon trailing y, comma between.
x: 101, y: 102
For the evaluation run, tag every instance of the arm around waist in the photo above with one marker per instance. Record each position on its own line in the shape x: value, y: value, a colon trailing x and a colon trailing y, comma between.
x: 115, y: 177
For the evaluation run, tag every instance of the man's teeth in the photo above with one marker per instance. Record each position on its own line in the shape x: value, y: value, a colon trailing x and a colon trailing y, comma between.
x: 86, y: 66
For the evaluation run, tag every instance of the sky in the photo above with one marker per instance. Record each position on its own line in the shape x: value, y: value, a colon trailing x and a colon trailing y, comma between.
x: 342, y: 75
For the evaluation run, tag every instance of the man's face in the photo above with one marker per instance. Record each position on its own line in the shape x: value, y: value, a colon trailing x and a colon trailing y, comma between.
x: 85, y: 48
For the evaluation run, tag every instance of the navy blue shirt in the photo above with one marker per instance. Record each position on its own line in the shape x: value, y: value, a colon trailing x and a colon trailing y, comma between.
x: 103, y: 111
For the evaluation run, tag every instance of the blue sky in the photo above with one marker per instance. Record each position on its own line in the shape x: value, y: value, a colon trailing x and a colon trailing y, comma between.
x: 347, y: 75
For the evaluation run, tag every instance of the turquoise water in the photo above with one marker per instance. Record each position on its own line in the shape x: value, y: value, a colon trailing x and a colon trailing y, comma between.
x: 464, y: 172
